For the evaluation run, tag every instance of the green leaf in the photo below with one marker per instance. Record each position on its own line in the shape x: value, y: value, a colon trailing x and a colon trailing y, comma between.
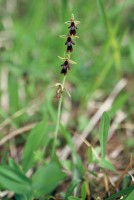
x: 46, y: 179
x: 22, y: 197
x: 14, y: 180
x: 124, y: 192
x: 84, y: 191
x: 67, y: 164
x: 103, y: 134
x: 106, y: 164
x: 130, y: 196
x: 37, y: 137
x: 118, y: 104
x: 14, y: 165
x: 126, y: 181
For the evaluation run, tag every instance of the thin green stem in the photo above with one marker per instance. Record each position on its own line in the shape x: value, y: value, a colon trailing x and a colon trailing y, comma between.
x: 58, y: 121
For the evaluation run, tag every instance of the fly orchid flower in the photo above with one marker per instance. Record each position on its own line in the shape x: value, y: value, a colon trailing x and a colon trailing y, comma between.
x: 73, y: 28
x: 66, y: 64
x: 72, y: 25
x: 69, y: 44
x: 65, y: 67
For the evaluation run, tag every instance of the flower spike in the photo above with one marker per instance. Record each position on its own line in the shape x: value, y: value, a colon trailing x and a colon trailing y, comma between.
x: 65, y: 66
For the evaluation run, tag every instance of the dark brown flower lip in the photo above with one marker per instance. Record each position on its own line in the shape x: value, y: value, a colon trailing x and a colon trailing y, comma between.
x: 64, y: 71
x: 72, y: 28
x: 72, y: 25
x: 72, y: 31
x: 69, y: 44
x: 65, y: 67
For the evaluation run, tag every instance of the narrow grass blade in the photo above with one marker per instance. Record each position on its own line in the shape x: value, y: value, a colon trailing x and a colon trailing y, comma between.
x: 90, y: 155
x: 103, y: 133
x: 104, y: 15
x: 71, y: 188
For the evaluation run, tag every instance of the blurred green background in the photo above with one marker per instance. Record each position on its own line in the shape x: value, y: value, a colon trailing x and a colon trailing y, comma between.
x: 29, y: 64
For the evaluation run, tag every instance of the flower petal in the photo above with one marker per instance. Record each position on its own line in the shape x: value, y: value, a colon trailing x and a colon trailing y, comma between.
x: 61, y: 58
x: 72, y: 62
x: 63, y: 36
